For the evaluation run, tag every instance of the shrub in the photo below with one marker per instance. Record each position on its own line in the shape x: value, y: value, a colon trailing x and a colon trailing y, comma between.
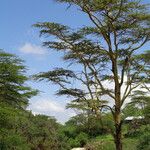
x: 144, y: 143
x: 82, y: 138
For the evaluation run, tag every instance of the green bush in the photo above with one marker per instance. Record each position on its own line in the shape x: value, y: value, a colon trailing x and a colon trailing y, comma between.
x: 82, y: 138
x: 13, y: 141
x: 144, y: 141
x: 79, y: 141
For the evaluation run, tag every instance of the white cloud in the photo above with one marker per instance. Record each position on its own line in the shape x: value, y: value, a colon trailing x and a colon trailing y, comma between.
x: 46, y: 105
x: 50, y: 107
x: 29, y: 48
x: 111, y: 86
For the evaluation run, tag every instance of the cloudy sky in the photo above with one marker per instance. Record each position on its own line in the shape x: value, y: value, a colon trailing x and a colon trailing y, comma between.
x: 19, y: 37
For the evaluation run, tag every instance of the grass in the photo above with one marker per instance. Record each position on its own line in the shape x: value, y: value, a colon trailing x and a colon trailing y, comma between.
x: 106, y: 142
x: 130, y: 144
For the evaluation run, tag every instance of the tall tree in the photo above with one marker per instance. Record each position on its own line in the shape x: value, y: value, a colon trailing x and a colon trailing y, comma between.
x: 104, y: 53
x: 13, y: 90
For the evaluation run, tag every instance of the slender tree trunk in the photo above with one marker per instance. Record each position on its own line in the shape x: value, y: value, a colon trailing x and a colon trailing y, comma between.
x: 118, y: 131
x: 117, y: 113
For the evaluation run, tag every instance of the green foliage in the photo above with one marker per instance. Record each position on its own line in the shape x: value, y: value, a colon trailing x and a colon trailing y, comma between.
x: 139, y: 106
x: 81, y: 129
x: 82, y: 138
x: 10, y: 136
x: 106, y: 143
x: 44, y: 133
x: 11, y: 140
x: 101, y: 143
x: 12, y: 81
x: 78, y: 141
x: 82, y: 123
x: 133, y: 129
x: 144, y: 141
x: 108, y: 123
x: 130, y: 143
x: 19, y: 128
x: 131, y: 110
x: 105, y: 52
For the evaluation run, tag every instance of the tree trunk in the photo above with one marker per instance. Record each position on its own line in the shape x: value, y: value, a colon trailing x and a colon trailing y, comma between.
x: 118, y: 132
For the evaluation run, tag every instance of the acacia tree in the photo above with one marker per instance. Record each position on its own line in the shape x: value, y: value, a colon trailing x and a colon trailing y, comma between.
x: 14, y: 96
x: 13, y: 91
x: 106, y: 51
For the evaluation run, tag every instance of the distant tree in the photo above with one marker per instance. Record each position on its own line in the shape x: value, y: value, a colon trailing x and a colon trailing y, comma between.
x: 141, y: 101
x: 13, y: 89
x: 106, y: 52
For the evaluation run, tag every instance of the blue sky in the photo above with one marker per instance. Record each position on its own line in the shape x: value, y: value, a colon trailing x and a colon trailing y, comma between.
x: 19, y: 37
